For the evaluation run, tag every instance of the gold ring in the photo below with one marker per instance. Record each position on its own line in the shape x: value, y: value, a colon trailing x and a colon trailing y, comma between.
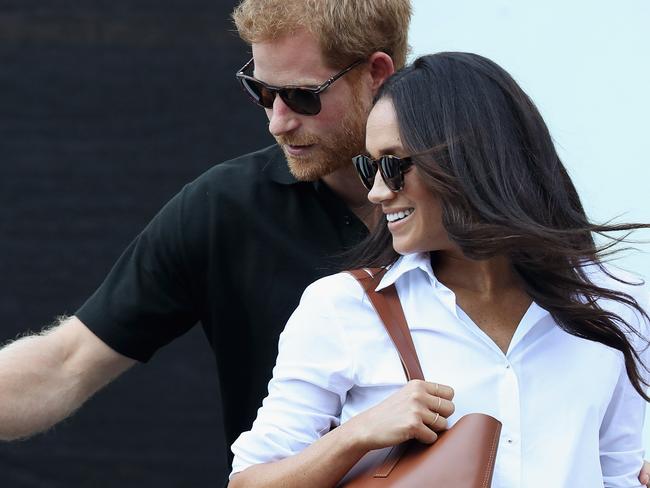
x: 436, y: 419
x: 439, y: 404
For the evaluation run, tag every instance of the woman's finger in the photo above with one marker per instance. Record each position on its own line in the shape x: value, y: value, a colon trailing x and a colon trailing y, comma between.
x: 439, y: 390
x: 435, y: 421
x: 426, y: 435
x: 441, y: 406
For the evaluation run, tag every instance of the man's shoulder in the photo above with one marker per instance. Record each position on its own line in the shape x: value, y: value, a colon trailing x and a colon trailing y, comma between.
x: 259, y: 180
x: 262, y: 166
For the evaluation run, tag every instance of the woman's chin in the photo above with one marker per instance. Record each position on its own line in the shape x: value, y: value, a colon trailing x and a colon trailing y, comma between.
x: 403, y: 248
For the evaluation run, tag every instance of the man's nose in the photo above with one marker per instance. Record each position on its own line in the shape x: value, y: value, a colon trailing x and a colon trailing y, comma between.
x: 379, y: 192
x: 281, y: 118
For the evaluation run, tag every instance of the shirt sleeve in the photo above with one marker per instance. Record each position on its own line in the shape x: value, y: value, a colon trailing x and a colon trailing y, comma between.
x: 621, y: 433
x: 150, y: 296
x: 311, y: 378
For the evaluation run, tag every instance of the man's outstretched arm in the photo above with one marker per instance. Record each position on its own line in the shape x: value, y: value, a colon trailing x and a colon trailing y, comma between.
x: 45, y: 377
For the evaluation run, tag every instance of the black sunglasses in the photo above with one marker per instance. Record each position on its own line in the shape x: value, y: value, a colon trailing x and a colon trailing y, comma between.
x: 303, y: 100
x: 392, y: 170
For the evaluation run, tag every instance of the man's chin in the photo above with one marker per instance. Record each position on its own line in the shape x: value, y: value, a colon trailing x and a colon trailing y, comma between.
x: 317, y: 163
x: 305, y: 170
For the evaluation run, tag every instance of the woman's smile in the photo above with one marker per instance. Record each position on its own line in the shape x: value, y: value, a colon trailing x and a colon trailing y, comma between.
x: 394, y: 216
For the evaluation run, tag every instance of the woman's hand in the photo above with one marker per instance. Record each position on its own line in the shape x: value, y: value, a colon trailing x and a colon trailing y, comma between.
x: 644, y: 475
x: 416, y: 411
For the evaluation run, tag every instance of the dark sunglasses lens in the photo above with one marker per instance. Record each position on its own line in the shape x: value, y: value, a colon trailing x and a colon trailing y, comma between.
x: 301, y: 101
x: 366, y: 170
x: 391, y: 172
x: 258, y: 92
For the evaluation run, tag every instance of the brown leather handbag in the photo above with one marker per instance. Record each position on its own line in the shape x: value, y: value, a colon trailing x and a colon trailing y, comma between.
x: 462, y: 457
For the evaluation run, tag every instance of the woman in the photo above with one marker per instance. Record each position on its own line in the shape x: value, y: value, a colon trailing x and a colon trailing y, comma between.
x: 503, y: 289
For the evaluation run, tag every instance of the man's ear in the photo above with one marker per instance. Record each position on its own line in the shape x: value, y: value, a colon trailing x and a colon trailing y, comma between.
x: 380, y: 68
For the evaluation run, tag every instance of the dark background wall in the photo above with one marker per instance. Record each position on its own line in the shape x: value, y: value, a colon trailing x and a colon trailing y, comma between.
x: 106, y: 109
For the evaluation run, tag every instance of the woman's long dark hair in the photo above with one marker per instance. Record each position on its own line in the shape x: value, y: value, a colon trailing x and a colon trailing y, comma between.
x: 482, y: 146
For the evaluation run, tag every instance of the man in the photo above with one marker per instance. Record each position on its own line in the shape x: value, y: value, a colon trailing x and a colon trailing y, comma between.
x: 235, y: 248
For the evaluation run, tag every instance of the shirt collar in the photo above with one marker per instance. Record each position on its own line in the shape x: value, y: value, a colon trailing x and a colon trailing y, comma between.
x: 277, y: 169
x: 406, y: 264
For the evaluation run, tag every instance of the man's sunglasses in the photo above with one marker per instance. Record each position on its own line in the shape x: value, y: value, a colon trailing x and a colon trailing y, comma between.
x: 303, y: 100
x: 392, y: 170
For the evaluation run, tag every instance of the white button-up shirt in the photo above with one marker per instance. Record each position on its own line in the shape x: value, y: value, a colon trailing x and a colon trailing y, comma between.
x: 570, y: 417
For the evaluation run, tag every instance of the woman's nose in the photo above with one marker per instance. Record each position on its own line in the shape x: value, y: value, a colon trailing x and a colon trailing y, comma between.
x: 379, y: 192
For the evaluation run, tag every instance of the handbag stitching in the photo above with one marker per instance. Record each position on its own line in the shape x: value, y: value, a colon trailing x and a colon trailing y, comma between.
x: 390, y: 461
x: 493, y: 453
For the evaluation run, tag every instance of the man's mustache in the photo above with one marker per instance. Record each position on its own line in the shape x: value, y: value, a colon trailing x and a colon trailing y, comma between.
x: 296, y: 140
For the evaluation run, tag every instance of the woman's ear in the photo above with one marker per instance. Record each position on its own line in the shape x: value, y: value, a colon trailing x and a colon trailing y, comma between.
x: 380, y: 67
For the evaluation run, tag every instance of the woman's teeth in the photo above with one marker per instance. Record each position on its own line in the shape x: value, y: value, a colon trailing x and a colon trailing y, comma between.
x: 394, y: 217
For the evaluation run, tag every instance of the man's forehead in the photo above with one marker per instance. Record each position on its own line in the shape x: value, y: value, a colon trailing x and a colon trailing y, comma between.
x: 290, y: 59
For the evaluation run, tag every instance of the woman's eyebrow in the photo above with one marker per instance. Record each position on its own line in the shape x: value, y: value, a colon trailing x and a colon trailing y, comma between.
x: 392, y: 150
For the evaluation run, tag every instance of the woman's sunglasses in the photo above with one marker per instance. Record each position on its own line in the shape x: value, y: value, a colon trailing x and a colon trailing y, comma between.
x: 303, y: 100
x: 391, y: 168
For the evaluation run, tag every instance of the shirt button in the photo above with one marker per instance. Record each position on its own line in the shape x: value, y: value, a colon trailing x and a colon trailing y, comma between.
x: 507, y: 366
x: 509, y: 441
x: 347, y: 220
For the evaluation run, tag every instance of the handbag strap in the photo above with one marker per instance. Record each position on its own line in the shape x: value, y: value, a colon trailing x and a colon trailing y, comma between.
x: 389, y: 308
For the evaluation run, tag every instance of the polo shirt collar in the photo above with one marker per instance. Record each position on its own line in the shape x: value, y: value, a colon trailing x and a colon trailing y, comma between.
x: 406, y: 264
x: 277, y: 169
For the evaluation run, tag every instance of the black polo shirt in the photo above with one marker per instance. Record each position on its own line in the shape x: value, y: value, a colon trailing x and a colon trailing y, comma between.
x: 233, y: 250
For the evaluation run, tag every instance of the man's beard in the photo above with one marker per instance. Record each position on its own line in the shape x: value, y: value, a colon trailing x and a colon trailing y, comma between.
x: 333, y: 151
